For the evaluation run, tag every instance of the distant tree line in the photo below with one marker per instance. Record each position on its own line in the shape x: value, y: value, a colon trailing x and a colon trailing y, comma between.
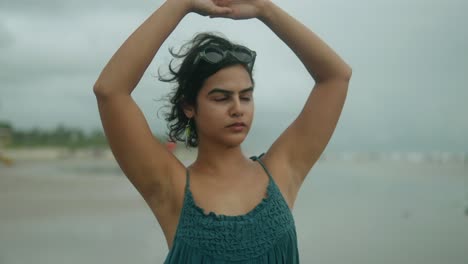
x: 61, y: 136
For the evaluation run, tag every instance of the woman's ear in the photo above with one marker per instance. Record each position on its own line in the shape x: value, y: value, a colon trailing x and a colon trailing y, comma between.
x: 189, y: 110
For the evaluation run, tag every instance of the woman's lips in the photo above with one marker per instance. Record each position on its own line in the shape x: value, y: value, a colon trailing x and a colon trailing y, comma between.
x: 237, y: 124
x: 237, y: 127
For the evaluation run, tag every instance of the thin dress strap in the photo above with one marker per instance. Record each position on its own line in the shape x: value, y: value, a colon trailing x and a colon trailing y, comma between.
x: 261, y: 163
x: 255, y: 158
x: 187, y: 179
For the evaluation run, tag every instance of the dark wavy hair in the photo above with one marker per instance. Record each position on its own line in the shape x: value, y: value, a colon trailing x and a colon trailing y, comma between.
x: 189, y: 79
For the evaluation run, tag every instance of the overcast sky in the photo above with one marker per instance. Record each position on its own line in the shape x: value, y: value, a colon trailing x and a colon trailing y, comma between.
x: 408, y: 91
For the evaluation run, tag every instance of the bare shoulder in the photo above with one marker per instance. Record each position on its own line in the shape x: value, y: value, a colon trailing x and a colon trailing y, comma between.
x: 146, y: 162
x: 281, y: 172
x: 298, y: 148
x: 166, y: 204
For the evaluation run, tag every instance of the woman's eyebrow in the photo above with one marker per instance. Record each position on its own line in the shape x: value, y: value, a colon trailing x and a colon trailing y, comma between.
x: 223, y: 91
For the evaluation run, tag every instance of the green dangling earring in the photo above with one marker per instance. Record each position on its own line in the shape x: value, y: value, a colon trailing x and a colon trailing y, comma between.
x: 187, y: 132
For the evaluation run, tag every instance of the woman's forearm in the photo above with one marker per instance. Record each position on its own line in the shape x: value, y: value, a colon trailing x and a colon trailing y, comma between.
x: 319, y: 59
x: 126, y: 67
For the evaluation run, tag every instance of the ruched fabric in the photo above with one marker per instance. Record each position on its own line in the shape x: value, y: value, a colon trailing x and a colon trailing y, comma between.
x: 266, y: 234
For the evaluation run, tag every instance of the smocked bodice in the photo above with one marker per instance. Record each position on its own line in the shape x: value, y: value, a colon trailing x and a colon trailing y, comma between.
x: 266, y: 234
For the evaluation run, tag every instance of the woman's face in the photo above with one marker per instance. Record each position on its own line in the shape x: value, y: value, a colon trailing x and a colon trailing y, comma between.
x: 225, y: 98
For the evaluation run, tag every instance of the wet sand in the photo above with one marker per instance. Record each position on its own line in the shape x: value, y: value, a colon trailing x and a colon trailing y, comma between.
x: 84, y: 210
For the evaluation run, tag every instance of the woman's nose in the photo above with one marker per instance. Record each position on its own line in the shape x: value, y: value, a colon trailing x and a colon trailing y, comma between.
x: 236, y: 108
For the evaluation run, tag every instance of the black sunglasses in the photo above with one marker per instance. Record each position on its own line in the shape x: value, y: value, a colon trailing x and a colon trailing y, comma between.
x: 215, y: 54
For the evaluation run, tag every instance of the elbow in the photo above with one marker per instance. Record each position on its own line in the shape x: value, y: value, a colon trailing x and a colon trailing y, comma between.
x: 101, y: 91
x: 343, y: 75
x: 104, y: 90
x: 346, y: 74
x: 349, y: 73
x: 98, y: 89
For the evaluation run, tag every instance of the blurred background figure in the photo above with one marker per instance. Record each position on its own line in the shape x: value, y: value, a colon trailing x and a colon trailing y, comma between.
x: 171, y: 146
x: 5, y: 160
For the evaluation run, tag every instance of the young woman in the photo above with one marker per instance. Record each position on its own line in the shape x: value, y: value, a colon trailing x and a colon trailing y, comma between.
x: 225, y: 207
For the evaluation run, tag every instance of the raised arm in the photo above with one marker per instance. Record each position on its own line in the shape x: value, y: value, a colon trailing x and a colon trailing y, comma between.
x: 143, y: 159
x: 302, y: 143
x: 298, y: 148
x: 126, y: 67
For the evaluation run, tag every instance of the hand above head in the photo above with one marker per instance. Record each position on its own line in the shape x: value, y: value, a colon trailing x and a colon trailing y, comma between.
x: 234, y: 9
x: 207, y: 7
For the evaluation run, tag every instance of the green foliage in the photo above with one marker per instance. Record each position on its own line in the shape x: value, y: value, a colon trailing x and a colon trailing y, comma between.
x: 6, y: 125
x: 61, y: 136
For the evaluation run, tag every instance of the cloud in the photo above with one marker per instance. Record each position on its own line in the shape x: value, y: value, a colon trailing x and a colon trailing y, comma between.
x: 408, y: 58
x: 53, y: 46
x: 6, y: 37
x: 55, y: 7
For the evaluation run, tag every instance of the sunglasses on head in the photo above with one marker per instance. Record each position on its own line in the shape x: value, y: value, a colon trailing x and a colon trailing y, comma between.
x: 215, y: 54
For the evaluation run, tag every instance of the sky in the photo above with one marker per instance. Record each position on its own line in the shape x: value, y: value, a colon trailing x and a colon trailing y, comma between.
x: 408, y: 91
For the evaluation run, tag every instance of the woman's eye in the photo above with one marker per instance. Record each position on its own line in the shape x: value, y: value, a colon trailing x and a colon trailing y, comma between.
x: 226, y: 98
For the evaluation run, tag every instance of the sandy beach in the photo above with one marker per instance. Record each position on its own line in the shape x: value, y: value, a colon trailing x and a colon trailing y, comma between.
x: 84, y: 210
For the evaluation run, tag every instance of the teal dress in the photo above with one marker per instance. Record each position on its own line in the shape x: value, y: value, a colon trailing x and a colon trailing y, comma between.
x: 266, y: 234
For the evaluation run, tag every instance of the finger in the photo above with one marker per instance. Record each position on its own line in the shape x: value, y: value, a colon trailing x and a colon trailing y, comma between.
x: 220, y: 11
x: 222, y: 2
x: 229, y: 15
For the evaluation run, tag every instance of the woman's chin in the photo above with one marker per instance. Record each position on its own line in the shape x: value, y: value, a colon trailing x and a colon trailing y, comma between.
x: 234, y: 140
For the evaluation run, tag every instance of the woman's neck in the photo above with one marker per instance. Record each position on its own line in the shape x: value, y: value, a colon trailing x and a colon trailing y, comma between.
x: 219, y: 161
